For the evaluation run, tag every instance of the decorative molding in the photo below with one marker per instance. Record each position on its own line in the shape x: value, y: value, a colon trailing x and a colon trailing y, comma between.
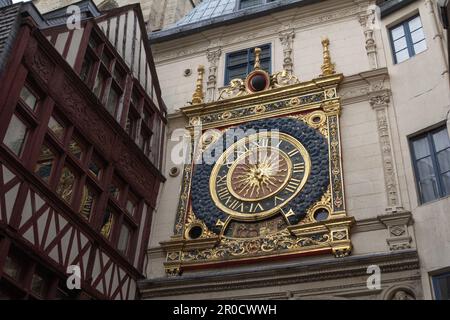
x: 405, y: 263
x: 287, y: 40
x: 367, y: 21
x: 181, y: 50
x: 380, y: 101
x: 398, y: 233
x: 213, y: 59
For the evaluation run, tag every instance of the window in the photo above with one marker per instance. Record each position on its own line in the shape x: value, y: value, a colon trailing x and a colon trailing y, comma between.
x: 88, y: 198
x: 441, y: 286
x: 124, y: 239
x: 39, y: 285
x: 431, y: 157
x: 12, y: 267
x: 66, y: 184
x: 407, y: 39
x: 96, y: 165
x: 56, y: 127
x: 16, y: 135
x: 251, y: 3
x: 104, y: 74
x: 239, y: 64
x: 45, y: 163
x: 29, y: 98
x: 107, y: 222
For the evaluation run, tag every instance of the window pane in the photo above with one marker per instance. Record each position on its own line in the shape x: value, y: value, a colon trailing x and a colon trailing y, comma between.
x: 124, y: 239
x: 108, y: 222
x: 427, y: 180
x: 56, y: 128
x: 76, y: 149
x: 66, y: 184
x: 38, y: 285
x: 402, y: 55
x: 425, y: 168
x: 131, y: 207
x: 99, y: 81
x: 443, y: 287
x: 428, y: 190
x: 45, y: 163
x: 446, y: 183
x: 87, y: 203
x: 12, y: 267
x: 115, y: 188
x: 420, y: 47
x: 444, y: 160
x: 106, y: 59
x: 16, y: 135
x: 400, y: 44
x: 415, y: 24
x: 441, y: 140
x: 113, y: 100
x: 119, y: 76
x: 95, y: 167
x: 86, y: 68
x: 417, y: 35
x: 28, y: 98
x: 397, y: 32
x: 421, y: 148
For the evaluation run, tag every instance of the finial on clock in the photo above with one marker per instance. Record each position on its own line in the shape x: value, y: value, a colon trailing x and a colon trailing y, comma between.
x: 257, y: 59
x: 198, y: 96
x: 328, y: 68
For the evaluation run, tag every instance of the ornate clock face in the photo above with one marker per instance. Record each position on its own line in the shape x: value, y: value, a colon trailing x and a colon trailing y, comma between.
x: 263, y: 176
x: 259, y: 175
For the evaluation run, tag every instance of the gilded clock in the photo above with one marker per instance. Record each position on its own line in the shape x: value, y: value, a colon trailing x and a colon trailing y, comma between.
x: 273, y: 167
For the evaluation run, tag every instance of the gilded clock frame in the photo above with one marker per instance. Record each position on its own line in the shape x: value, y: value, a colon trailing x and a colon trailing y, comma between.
x: 314, y: 102
x: 274, y: 210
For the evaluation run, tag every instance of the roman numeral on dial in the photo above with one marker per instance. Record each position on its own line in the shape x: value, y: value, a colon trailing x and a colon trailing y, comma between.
x: 293, y: 185
x: 299, y: 168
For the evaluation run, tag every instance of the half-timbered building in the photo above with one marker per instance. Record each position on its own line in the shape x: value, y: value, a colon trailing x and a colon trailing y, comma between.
x: 81, y: 129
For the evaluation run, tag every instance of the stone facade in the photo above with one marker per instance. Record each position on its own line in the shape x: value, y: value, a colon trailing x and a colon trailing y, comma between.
x: 382, y: 107
x: 158, y: 14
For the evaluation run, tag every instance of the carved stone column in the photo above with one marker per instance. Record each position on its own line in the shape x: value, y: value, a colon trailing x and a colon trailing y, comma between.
x: 213, y: 59
x: 367, y: 21
x: 380, y: 102
x: 287, y: 40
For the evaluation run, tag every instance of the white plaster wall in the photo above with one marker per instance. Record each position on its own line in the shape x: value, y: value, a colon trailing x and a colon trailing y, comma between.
x: 421, y: 99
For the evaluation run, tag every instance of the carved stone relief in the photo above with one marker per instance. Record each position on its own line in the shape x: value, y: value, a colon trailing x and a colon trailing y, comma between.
x: 287, y: 40
x: 367, y: 21
x: 213, y: 59
x: 380, y: 102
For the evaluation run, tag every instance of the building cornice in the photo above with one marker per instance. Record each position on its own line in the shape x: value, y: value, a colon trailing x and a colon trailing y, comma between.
x: 280, y: 274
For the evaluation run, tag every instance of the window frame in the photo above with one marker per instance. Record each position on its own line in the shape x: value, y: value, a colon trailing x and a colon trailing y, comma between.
x: 250, y: 67
x: 409, y: 42
x: 428, y: 134
x: 434, y: 282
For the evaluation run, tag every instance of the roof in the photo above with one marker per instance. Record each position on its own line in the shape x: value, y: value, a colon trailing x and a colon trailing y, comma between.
x: 208, y: 9
x: 9, y: 25
x: 390, y: 6
x: 213, y: 13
